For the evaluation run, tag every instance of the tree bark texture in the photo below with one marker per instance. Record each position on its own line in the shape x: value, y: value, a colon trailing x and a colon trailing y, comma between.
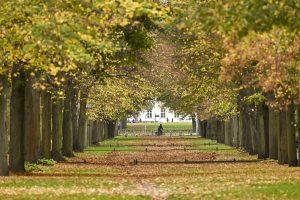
x: 32, y: 121
x: 74, y: 115
x: 291, y: 136
x: 235, y: 131
x: 57, y: 118
x: 67, y: 146
x: 228, y: 132
x: 46, y: 124
x: 282, y: 140
x: 3, y: 128
x: 274, y: 130
x: 17, y: 115
x: 82, y: 121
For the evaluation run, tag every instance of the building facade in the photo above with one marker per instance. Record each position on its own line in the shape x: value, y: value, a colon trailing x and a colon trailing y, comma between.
x: 159, y: 113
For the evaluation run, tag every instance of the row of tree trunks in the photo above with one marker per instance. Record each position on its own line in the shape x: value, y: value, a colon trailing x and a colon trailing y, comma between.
x: 97, y: 132
x: 263, y: 132
x: 43, y: 125
x: 3, y: 129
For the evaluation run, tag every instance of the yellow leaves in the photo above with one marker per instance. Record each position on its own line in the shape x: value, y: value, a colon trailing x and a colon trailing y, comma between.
x: 117, y: 96
x: 60, y: 93
x: 63, y: 16
x: 53, y: 70
x: 123, y: 22
x: 85, y: 37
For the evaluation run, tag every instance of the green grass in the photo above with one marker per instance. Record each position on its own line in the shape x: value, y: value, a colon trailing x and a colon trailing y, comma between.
x: 271, y: 191
x: 79, y: 196
x: 152, y: 127
x: 258, y: 191
x: 107, y: 149
x: 55, y: 182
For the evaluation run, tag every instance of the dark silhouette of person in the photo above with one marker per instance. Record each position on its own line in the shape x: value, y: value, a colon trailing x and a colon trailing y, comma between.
x: 160, y: 130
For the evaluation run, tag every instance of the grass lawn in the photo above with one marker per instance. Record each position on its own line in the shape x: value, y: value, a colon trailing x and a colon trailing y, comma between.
x: 175, y: 127
x: 107, y: 172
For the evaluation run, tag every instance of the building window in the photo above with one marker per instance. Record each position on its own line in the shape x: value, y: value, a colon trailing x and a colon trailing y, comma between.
x: 163, y: 113
x: 176, y: 114
x: 149, y: 114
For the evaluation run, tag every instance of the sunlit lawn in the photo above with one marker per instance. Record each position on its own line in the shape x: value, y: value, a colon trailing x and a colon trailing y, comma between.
x: 107, y: 172
x: 175, y: 127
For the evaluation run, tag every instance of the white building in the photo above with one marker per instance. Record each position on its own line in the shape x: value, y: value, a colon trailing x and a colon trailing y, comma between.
x: 159, y: 113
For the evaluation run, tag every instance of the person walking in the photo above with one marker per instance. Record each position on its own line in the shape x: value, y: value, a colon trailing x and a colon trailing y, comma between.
x: 160, y: 130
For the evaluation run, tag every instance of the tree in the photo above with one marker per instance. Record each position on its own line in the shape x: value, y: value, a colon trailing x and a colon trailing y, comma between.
x: 3, y: 128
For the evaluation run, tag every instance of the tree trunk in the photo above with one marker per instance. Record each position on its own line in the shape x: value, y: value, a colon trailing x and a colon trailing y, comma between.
x: 216, y: 129
x: 123, y: 123
x: 208, y: 129
x: 219, y: 132
x: 89, y: 133
x: 116, y: 129
x: 57, y: 118
x: 111, y: 126
x: 253, y: 142
x: 261, y: 135
x: 82, y: 121
x: 241, y: 129
x: 222, y: 132
x: 194, y: 126
x: 228, y: 132
x: 16, y: 145
x: 96, y: 134
x: 266, y: 127
x: 67, y: 147
x: 274, y: 130
x: 32, y: 121
x: 282, y: 140
x: 105, y: 130
x: 198, y: 126
x: 3, y: 130
x: 74, y: 114
x: 101, y: 126
x: 291, y: 136
x: 46, y: 124
x: 235, y: 131
x: 298, y: 130
x: 204, y: 132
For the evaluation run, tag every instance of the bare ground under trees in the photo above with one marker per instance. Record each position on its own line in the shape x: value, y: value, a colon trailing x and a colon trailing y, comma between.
x: 108, y: 171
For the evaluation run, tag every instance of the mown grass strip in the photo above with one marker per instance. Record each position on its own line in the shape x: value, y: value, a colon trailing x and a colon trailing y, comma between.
x: 148, y: 150
x: 136, y: 162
